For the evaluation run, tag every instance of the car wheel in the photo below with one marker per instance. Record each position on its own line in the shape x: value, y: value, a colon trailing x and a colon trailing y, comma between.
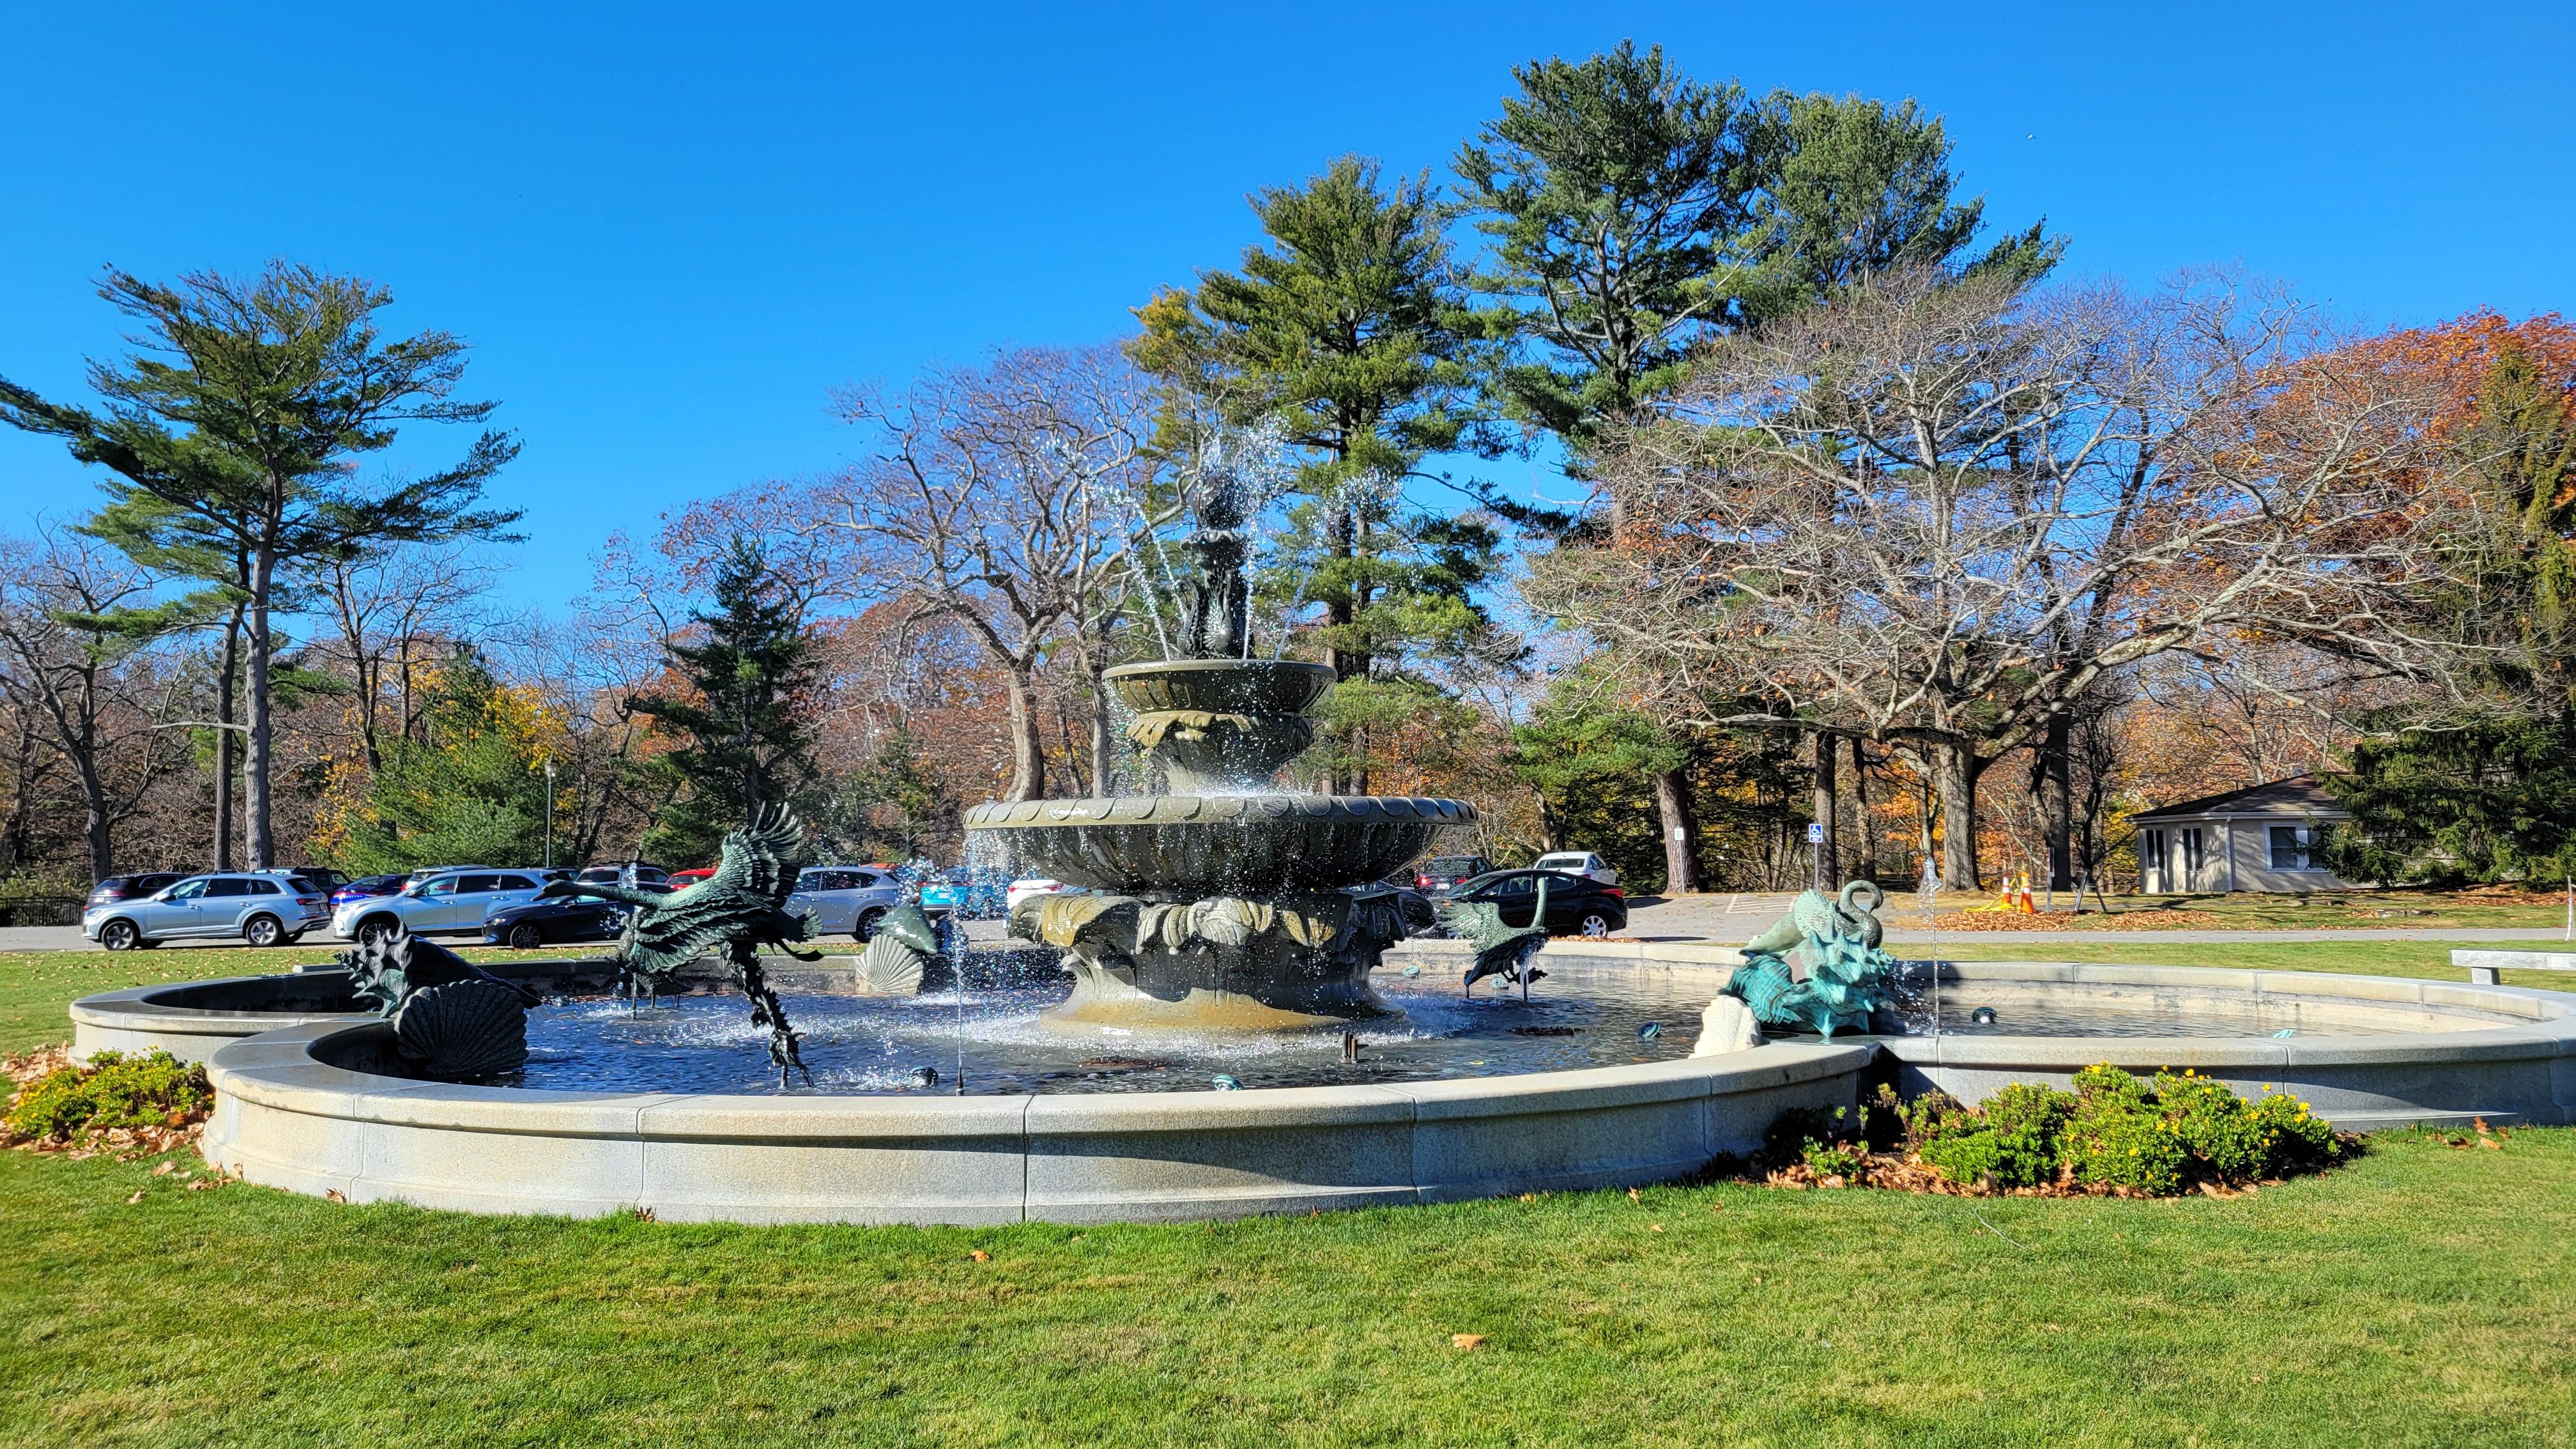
x: 119, y: 936
x: 375, y: 932
x: 866, y: 929
x: 1595, y: 924
x: 524, y: 937
x: 263, y: 931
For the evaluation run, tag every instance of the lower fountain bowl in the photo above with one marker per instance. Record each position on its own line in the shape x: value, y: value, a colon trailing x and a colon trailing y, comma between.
x: 1180, y: 847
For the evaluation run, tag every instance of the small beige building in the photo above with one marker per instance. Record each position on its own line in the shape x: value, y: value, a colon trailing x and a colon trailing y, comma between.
x: 2261, y: 838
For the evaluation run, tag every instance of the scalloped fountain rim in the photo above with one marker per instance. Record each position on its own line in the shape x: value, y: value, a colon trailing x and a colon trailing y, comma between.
x: 287, y: 1116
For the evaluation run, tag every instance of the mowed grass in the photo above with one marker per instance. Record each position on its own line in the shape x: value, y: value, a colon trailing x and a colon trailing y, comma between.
x: 2417, y: 1297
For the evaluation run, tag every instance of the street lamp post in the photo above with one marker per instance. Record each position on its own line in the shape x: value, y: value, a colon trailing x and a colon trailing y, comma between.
x: 550, y: 814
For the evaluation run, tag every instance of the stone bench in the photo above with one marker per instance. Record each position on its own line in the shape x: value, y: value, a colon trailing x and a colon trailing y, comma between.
x: 2483, y: 965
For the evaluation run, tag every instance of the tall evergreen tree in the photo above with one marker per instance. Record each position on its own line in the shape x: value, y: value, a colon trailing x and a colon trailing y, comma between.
x: 749, y: 676
x: 242, y: 422
x: 1634, y: 213
x: 2492, y: 796
x: 1346, y: 332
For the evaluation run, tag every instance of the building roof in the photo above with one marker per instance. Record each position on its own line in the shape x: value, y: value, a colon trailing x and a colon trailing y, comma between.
x: 2299, y: 795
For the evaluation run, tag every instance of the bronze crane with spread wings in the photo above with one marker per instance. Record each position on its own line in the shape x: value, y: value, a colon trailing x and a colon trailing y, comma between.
x: 739, y: 909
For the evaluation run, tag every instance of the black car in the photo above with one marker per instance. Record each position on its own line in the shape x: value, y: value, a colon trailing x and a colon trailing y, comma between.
x: 531, y: 924
x: 1576, y: 905
x: 133, y: 887
x: 1442, y: 873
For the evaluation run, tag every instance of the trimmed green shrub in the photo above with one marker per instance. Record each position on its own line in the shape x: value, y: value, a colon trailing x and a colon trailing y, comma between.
x: 2114, y: 1131
x: 114, y: 1090
x: 2116, y: 1141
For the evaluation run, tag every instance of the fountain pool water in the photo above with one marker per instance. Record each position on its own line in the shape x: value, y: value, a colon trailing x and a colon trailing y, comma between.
x: 1003, y: 1040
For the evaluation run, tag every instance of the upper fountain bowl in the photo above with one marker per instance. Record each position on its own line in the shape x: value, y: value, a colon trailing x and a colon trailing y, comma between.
x: 1253, y: 687
x: 1220, y: 726
x: 1183, y: 847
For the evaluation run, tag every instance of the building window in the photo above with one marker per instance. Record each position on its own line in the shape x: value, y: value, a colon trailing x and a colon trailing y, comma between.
x: 2290, y: 847
x: 2158, y: 864
x: 2190, y: 853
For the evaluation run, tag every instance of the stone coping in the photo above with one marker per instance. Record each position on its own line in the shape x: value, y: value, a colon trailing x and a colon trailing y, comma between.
x: 287, y: 1117
x: 2482, y: 966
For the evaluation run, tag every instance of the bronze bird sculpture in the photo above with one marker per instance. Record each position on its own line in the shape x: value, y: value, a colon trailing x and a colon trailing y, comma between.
x: 739, y: 909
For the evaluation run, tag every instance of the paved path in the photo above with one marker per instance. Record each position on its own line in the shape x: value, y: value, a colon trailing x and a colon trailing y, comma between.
x: 1732, y: 919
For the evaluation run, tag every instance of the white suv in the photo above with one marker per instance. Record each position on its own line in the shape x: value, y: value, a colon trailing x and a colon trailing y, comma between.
x: 1577, y: 862
x: 453, y: 901
x: 845, y: 899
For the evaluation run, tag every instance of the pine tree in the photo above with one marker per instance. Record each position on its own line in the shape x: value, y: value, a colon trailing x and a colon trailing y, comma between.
x: 1344, y: 330
x: 1635, y: 213
x: 2494, y: 796
x: 749, y: 677
x: 240, y: 426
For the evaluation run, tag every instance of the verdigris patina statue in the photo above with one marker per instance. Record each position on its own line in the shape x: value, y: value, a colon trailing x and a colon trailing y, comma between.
x: 739, y: 909
x: 1848, y: 977
x: 899, y: 954
x: 1501, y: 950
x: 1312, y: 950
x: 453, y: 1020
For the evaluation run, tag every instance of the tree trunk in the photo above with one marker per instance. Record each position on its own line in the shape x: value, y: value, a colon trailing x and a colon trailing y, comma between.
x: 227, y: 689
x: 1867, y: 823
x: 1828, y: 859
x: 255, y: 765
x: 1028, y: 764
x: 1681, y: 832
x: 2057, y: 803
x: 1958, y: 786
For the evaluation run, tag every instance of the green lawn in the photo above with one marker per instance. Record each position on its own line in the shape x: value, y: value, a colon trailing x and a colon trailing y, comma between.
x: 2420, y: 1296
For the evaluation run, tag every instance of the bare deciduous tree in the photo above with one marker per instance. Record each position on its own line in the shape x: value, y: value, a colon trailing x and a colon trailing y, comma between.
x: 1005, y: 497
x: 77, y: 623
x: 1935, y: 513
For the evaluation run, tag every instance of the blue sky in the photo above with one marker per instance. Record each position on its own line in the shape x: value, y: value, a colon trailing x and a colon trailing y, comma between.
x: 670, y: 231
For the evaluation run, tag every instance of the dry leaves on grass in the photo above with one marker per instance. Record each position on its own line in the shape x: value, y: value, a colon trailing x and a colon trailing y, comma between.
x: 1466, y: 1341
x: 2139, y: 920
x: 1903, y: 1172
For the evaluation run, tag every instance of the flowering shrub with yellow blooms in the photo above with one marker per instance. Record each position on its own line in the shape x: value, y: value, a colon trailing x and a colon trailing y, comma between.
x: 2113, y: 1132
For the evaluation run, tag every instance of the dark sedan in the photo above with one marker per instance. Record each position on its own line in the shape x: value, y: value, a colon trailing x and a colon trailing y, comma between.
x: 367, y: 886
x: 527, y: 926
x: 133, y: 887
x: 1576, y: 905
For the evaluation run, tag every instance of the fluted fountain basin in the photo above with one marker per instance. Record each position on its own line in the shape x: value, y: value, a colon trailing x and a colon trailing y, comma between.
x: 1184, y: 847
x: 1232, y: 686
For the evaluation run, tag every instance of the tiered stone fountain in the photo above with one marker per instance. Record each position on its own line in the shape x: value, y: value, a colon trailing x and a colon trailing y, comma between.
x: 1227, y: 904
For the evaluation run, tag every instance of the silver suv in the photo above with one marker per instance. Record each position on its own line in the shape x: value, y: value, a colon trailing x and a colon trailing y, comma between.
x: 845, y: 899
x: 448, y: 902
x: 265, y: 909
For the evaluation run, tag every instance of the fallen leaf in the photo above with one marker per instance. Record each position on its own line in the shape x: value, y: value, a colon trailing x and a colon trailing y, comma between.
x: 138, y: 1197
x: 201, y: 1184
x: 980, y: 1256
x: 165, y: 1169
x: 2490, y: 1144
x: 1466, y: 1340
x: 334, y: 1195
x: 1635, y: 1196
x: 1654, y: 1227
x: 1529, y: 1197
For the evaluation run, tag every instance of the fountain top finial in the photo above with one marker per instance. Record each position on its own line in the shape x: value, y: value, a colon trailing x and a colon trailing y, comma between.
x: 1216, y: 606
